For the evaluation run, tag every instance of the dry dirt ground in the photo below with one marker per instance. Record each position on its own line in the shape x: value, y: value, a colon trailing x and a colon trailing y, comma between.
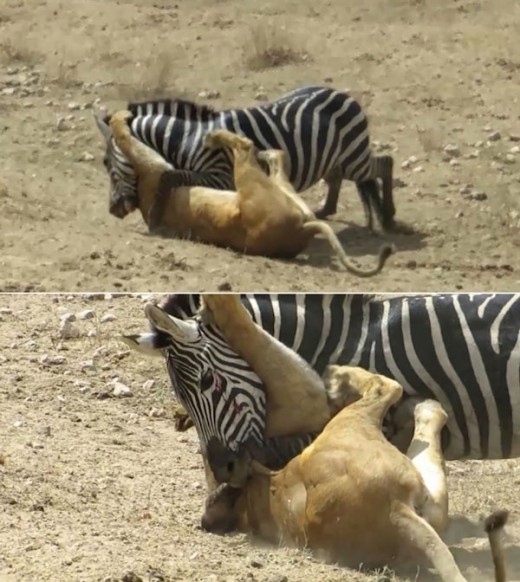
x: 93, y: 487
x: 430, y: 75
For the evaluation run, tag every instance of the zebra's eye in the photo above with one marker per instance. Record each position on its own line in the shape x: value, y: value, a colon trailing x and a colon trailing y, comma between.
x: 206, y: 380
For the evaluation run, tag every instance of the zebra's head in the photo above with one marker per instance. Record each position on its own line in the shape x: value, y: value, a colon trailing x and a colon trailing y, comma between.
x: 225, y: 399
x: 123, y: 197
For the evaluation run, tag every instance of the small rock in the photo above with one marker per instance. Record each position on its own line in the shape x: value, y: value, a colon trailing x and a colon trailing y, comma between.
x: 68, y: 330
x: 260, y: 96
x: 61, y: 124
x: 121, y: 390
x: 452, y: 150
x: 86, y: 314
x: 157, y: 412
x: 479, y: 196
x: 466, y: 189
x: 68, y: 317
x: 494, y: 136
x: 509, y: 159
x: 73, y: 106
x: 515, y: 150
x: 148, y: 385
x: 108, y: 317
x: 225, y: 286
x: 514, y: 137
x: 418, y: 169
x: 5, y: 311
x: 86, y: 157
x: 52, y: 360
x: 88, y: 365
x: 131, y: 577
x: 256, y: 564
x: 31, y: 346
x: 278, y: 578
x: 454, y: 162
x: 8, y: 91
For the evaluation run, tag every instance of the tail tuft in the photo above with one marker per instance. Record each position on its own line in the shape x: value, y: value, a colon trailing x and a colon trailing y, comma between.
x: 496, y: 521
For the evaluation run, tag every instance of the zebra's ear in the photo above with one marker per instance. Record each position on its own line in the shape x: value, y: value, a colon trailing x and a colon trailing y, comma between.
x: 102, y: 120
x: 179, y: 330
x: 144, y: 343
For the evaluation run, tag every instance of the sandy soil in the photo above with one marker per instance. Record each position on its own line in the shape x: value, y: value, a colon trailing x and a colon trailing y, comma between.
x: 93, y: 487
x: 430, y: 75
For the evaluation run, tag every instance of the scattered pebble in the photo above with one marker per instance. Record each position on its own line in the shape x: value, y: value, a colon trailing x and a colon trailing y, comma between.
x: 494, y: 136
x: 52, y: 360
x: 452, y: 151
x: 121, y: 390
x: 68, y: 330
x: 86, y: 157
x: 148, y: 385
x: 108, y: 317
x: 86, y: 314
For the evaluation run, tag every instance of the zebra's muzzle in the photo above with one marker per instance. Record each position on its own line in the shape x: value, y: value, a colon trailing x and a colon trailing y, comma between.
x: 226, y: 465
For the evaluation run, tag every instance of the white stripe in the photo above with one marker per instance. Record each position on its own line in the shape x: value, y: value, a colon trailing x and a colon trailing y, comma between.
x: 325, y: 328
x: 494, y: 444
x: 256, y: 130
x: 442, y: 355
x: 332, y: 135
x: 276, y: 314
x: 456, y: 445
x: 513, y: 382
x: 362, y: 338
x: 495, y: 326
x: 315, y: 128
x: 484, y: 304
x: 297, y: 134
x: 347, y: 311
x: 300, y: 321
x: 167, y: 136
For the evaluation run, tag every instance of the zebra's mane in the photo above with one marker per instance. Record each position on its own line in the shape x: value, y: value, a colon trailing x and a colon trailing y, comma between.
x: 183, y: 108
x: 181, y: 305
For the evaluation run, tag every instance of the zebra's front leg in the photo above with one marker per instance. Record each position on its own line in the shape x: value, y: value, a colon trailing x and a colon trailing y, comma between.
x: 333, y: 180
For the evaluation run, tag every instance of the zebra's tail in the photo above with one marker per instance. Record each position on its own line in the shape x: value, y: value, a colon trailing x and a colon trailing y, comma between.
x: 320, y: 227
x: 494, y: 524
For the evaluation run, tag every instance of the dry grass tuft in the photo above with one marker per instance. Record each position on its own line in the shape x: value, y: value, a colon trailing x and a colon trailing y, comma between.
x: 18, y: 53
x: 269, y: 46
x: 155, y: 81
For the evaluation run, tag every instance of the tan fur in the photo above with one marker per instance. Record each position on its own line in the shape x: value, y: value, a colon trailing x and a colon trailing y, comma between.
x: 494, y: 525
x: 296, y: 399
x: 350, y: 494
x: 261, y: 218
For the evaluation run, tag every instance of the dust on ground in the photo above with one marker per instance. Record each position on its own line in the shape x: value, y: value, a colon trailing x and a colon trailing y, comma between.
x: 439, y: 81
x: 94, y: 487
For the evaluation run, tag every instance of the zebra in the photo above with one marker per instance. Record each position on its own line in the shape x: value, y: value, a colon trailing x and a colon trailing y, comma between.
x: 462, y: 349
x: 223, y: 396
x: 324, y: 133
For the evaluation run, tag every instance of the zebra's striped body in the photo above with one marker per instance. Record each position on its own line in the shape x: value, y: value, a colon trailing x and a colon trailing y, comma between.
x: 461, y: 349
x: 323, y: 132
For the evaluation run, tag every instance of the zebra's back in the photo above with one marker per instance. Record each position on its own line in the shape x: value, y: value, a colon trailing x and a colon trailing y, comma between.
x: 318, y: 128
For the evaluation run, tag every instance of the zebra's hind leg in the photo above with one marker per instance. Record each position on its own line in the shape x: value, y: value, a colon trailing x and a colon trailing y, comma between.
x: 425, y: 452
x: 369, y: 193
x: 386, y: 173
x: 333, y: 180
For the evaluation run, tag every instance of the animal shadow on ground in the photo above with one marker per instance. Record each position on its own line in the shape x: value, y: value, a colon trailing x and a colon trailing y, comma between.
x: 355, y: 239
x: 358, y: 242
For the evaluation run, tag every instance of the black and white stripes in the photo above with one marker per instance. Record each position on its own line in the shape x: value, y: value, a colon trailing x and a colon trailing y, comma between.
x: 222, y: 395
x: 461, y: 349
x: 322, y: 131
